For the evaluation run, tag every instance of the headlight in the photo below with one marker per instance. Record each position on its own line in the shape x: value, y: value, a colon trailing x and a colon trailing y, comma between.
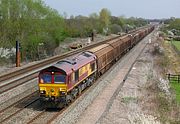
x: 62, y: 89
x: 42, y: 91
x: 62, y: 93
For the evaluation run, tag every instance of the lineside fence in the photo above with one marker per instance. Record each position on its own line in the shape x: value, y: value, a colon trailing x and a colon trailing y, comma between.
x: 173, y: 78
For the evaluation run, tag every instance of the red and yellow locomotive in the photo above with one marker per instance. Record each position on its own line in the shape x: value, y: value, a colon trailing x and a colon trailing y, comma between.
x: 63, y: 81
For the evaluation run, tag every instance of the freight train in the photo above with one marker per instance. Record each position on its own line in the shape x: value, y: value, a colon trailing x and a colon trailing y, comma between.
x: 62, y: 82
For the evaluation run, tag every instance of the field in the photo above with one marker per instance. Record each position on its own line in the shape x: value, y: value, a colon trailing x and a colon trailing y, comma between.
x: 176, y: 44
x: 174, y: 84
x: 176, y: 87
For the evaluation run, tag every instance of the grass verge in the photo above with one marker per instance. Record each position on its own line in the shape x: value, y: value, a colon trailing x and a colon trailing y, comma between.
x: 176, y: 87
x: 176, y: 44
x: 168, y: 107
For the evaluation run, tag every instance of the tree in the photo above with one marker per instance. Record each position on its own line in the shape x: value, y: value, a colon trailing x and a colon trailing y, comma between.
x: 31, y: 22
x: 93, y: 16
x: 105, y: 17
x: 175, y: 24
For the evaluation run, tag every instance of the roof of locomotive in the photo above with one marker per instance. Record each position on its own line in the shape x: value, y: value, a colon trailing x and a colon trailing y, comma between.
x: 74, y: 62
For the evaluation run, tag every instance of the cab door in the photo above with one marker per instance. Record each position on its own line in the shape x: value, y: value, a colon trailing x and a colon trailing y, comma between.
x: 77, y: 75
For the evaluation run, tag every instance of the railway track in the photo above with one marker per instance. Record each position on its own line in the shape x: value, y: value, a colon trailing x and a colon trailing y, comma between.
x: 17, y: 107
x: 15, y: 78
x: 42, y: 114
x: 47, y: 116
x: 15, y: 83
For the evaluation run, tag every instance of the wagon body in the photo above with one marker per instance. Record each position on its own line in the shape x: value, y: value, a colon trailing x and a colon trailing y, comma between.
x: 105, y: 57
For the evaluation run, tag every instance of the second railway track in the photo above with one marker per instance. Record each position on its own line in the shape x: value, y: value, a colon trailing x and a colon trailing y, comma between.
x: 22, y: 75
x: 22, y: 71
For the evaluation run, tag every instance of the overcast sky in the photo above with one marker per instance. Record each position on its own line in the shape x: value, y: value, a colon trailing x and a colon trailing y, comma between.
x: 138, y: 8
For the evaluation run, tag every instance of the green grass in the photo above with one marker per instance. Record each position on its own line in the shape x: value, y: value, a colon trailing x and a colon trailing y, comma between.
x: 176, y: 86
x: 177, y: 44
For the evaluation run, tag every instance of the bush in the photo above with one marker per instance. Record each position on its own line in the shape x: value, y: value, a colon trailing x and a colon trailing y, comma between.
x: 115, y: 28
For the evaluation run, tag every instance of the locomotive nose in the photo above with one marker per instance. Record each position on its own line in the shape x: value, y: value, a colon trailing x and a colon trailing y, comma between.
x: 52, y: 92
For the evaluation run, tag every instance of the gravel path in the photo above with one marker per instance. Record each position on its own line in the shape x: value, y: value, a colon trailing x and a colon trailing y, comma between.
x: 92, y: 105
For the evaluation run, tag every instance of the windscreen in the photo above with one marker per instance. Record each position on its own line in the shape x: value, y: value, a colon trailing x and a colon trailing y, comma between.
x: 59, y: 78
x: 46, y: 78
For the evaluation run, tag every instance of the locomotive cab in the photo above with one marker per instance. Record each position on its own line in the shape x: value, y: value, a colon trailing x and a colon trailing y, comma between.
x: 52, y: 83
